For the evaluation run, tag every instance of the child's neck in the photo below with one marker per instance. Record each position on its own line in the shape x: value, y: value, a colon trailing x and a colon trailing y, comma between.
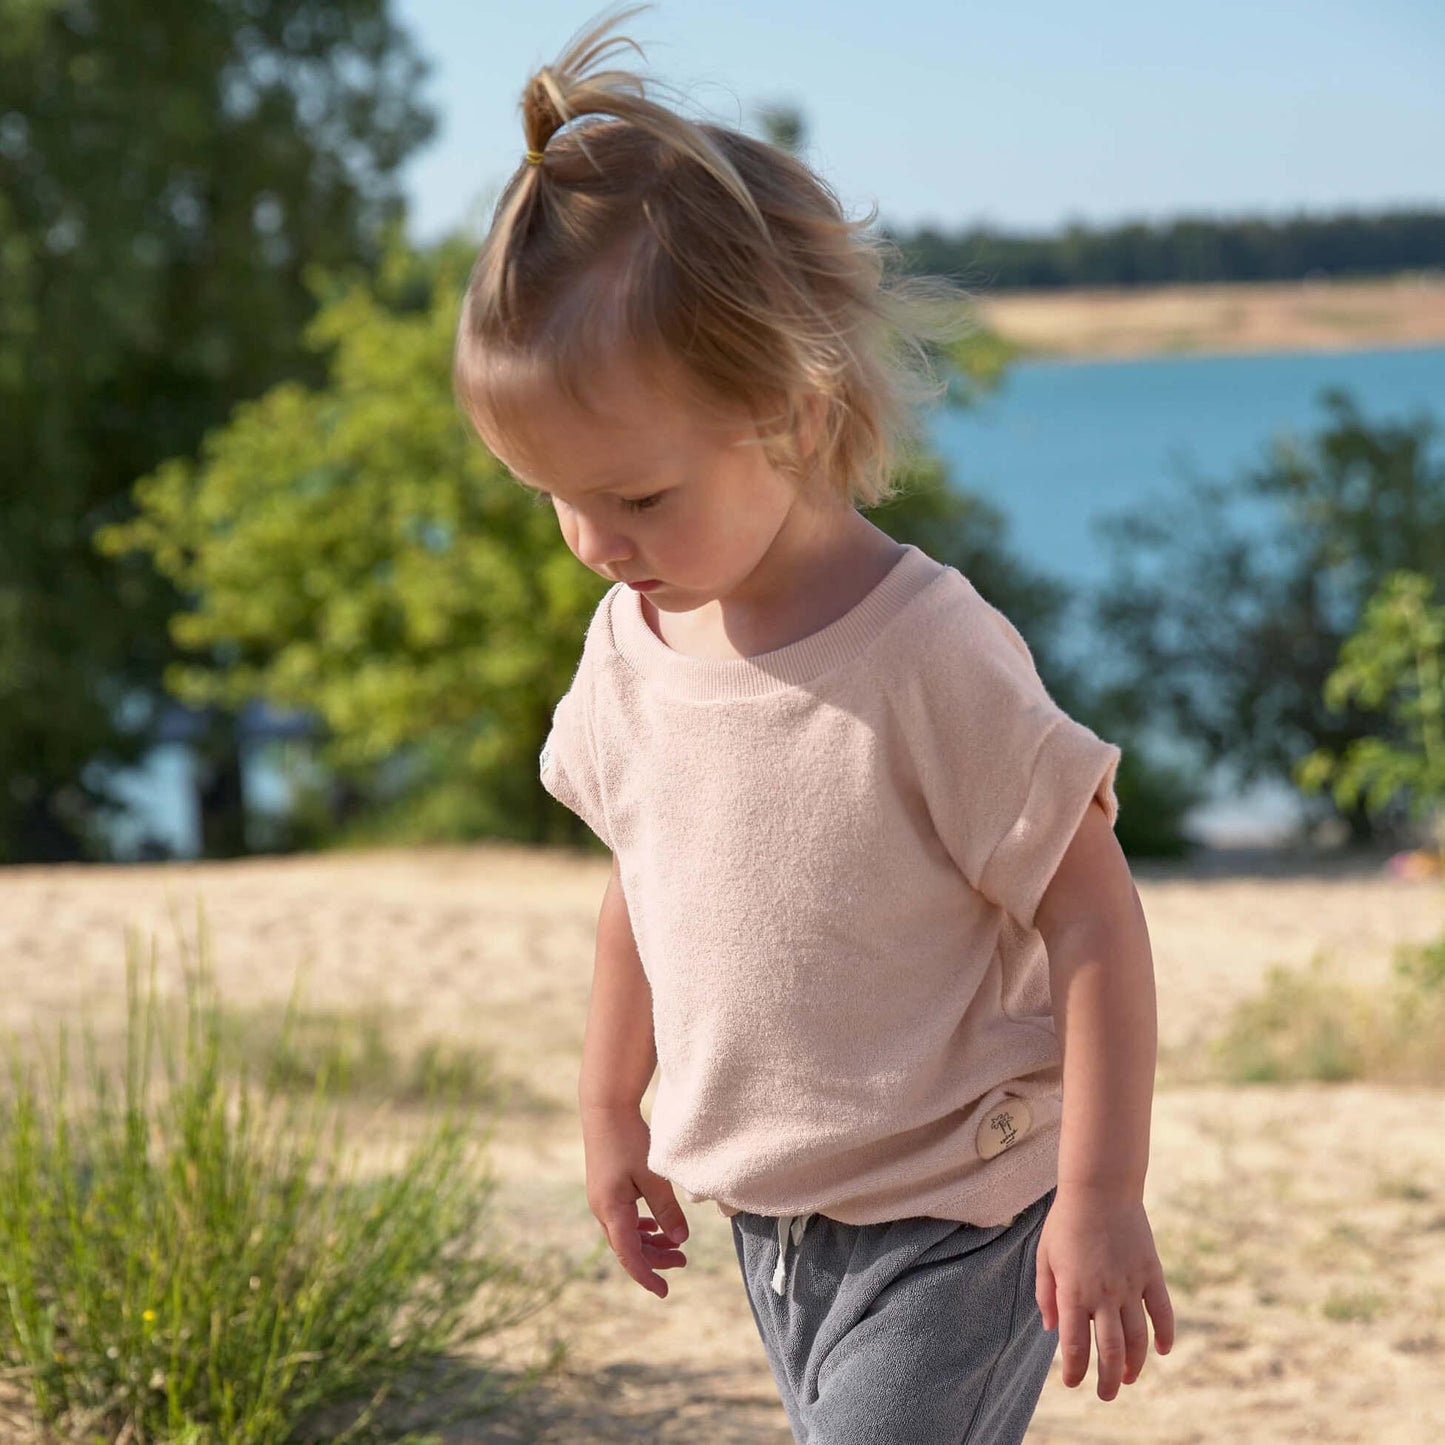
x: 821, y: 587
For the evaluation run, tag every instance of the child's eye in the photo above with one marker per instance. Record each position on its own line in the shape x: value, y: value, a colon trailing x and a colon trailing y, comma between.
x: 643, y: 504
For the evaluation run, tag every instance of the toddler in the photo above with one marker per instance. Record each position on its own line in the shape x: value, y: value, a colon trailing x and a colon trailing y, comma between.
x: 867, y: 916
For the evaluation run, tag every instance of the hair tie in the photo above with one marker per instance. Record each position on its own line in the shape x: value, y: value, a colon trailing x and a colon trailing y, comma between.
x: 534, y: 158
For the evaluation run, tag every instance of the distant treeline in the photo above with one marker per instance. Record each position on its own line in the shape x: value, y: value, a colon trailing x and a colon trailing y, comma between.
x: 1182, y: 250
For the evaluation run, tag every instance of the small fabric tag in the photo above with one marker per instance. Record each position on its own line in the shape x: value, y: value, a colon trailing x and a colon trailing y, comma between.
x: 1003, y: 1126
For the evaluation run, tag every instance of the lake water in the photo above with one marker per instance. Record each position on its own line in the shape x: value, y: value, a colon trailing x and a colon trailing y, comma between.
x: 1061, y: 444
x: 1065, y: 442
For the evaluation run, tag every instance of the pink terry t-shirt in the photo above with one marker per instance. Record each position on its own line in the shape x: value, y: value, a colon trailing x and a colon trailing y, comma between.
x: 832, y: 854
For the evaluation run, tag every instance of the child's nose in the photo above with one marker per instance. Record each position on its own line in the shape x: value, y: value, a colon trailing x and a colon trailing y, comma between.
x: 601, y: 546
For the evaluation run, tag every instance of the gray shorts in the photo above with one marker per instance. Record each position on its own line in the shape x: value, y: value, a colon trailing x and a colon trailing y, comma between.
x: 917, y: 1331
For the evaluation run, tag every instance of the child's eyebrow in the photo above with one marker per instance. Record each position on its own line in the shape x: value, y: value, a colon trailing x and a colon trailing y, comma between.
x: 586, y: 491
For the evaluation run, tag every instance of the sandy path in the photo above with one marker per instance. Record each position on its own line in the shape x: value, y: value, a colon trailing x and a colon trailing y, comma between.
x: 1302, y: 1228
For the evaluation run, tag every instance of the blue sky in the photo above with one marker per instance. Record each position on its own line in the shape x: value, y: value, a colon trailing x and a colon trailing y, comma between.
x: 1023, y: 114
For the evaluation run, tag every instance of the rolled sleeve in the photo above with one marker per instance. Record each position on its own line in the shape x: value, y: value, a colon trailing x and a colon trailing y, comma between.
x: 1071, y: 768
x: 1006, y: 774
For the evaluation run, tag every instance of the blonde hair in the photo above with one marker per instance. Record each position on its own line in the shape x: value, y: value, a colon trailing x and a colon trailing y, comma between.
x: 696, y: 244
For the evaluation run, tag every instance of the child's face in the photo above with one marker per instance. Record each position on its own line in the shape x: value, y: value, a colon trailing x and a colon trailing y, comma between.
x: 652, y: 488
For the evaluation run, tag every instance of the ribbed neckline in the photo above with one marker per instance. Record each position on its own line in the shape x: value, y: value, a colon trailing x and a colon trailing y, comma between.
x: 803, y: 661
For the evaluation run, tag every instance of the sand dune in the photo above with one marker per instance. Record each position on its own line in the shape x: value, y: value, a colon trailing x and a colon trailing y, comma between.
x: 1302, y: 1228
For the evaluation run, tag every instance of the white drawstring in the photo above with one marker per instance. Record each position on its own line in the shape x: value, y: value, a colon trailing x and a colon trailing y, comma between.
x: 793, y: 1224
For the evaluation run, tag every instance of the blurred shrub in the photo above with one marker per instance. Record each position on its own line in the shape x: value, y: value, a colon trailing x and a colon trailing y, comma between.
x: 1228, y: 603
x: 1393, y: 665
x: 1312, y: 1024
x: 352, y: 551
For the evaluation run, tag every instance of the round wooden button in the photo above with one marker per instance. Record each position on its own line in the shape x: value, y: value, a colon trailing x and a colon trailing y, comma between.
x: 1003, y: 1126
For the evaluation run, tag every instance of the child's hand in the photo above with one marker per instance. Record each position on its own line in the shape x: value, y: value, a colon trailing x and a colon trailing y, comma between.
x: 1096, y: 1259
x: 615, y: 1141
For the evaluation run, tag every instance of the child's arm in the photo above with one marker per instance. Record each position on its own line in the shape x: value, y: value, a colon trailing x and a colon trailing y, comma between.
x: 619, y: 1055
x: 618, y: 1051
x: 1096, y: 1256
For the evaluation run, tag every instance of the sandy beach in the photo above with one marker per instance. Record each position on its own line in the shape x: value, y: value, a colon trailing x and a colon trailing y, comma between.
x: 1225, y: 319
x: 1302, y: 1228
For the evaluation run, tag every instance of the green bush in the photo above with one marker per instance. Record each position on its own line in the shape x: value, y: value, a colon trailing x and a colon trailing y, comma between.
x: 1420, y: 969
x: 187, y: 1264
x: 1303, y: 1025
x: 1311, y: 1024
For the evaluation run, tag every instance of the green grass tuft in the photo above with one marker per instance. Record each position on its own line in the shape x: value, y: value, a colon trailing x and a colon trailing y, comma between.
x: 297, y: 1049
x: 187, y: 1262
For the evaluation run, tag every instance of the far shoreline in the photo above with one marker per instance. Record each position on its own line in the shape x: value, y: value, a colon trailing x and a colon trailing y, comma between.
x: 1401, y: 312
x: 1026, y: 356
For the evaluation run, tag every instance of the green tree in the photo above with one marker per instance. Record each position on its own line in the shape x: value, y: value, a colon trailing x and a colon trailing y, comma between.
x: 353, y: 551
x: 1188, y: 249
x: 168, y: 168
x: 1227, y: 607
x: 1393, y: 664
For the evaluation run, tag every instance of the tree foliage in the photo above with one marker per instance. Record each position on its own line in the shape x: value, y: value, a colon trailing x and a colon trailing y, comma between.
x: 1228, y: 605
x: 350, y: 550
x: 1393, y: 664
x: 1188, y: 250
x: 167, y: 171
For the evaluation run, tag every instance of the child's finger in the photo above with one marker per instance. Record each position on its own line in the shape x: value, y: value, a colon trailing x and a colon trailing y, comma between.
x: 650, y: 1231
x: 655, y: 1247
x: 1136, y: 1339
x: 620, y: 1224
x: 1110, y: 1348
x: 1044, y: 1292
x: 1074, y: 1343
x: 1161, y: 1311
x: 665, y: 1209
